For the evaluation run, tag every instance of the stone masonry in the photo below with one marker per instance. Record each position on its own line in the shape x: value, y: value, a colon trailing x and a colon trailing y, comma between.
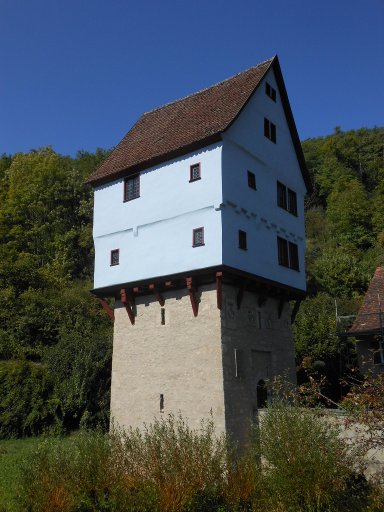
x: 172, y: 362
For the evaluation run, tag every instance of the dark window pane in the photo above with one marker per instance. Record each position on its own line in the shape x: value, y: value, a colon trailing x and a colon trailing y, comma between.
x: 242, y: 240
x: 273, y: 132
x: 282, y: 250
x: 195, y: 172
x: 281, y: 195
x: 292, y: 202
x: 132, y: 188
x: 266, y: 128
x: 251, y: 180
x: 293, y: 256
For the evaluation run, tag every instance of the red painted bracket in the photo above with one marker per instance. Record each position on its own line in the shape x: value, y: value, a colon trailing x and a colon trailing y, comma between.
x: 192, y: 296
x: 128, y: 301
x: 157, y: 294
x: 107, y: 309
x: 219, y: 290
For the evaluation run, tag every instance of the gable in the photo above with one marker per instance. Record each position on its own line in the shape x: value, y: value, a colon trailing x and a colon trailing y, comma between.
x: 188, y: 124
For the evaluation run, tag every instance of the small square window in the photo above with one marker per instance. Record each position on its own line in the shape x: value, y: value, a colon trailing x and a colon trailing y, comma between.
x: 242, y: 240
x: 132, y: 187
x: 269, y: 130
x: 270, y: 91
x: 198, y: 237
x: 115, y: 256
x: 195, y: 172
x: 251, y: 180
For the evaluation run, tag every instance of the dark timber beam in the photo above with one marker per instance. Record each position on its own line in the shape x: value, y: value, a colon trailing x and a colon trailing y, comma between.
x: 107, y: 309
x: 219, y: 290
x: 128, y: 301
x: 157, y: 294
x: 192, y: 296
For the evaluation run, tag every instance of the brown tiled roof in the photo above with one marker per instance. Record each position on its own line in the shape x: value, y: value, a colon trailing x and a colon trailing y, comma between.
x: 188, y: 124
x: 368, y: 317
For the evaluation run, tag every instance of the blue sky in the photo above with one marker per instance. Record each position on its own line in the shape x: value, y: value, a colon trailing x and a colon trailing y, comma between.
x: 77, y: 74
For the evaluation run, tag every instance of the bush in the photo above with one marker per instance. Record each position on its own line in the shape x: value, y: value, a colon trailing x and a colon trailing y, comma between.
x: 27, y: 403
x: 307, y: 466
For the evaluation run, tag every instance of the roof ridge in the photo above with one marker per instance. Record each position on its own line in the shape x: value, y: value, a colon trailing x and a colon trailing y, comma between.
x: 271, y: 59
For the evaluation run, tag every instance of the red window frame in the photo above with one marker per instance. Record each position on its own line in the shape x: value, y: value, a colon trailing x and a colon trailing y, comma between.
x: 133, y: 195
x: 114, y: 252
x: 191, y: 169
x: 194, y: 232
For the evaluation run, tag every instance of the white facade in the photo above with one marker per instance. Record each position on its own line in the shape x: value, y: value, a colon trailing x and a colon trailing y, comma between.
x: 154, y: 232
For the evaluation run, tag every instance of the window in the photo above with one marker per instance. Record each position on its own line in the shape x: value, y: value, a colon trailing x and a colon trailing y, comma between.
x: 251, y: 180
x: 242, y: 240
x: 281, y: 195
x: 115, y: 254
x: 288, y: 254
x: 269, y: 130
x: 239, y: 363
x: 198, y: 237
x: 194, y: 172
x: 162, y: 316
x: 161, y: 403
x: 292, y: 202
x: 286, y: 198
x: 132, y: 188
x: 377, y: 346
x: 270, y: 91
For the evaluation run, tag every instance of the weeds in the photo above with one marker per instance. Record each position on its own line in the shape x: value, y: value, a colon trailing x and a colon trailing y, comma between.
x: 296, y: 463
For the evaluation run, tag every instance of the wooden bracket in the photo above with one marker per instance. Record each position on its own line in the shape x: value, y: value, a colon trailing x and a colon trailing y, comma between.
x: 280, y: 307
x: 295, y: 310
x: 128, y: 302
x: 192, y: 296
x: 157, y: 294
x: 240, y: 293
x: 219, y: 290
x: 107, y: 309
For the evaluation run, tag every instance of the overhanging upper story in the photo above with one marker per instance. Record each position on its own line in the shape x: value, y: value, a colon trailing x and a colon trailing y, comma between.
x: 214, y: 180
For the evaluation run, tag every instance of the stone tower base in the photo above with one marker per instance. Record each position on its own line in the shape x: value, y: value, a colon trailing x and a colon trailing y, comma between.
x: 170, y: 361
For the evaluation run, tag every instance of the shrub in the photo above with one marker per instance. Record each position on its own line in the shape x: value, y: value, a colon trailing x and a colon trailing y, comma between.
x: 27, y: 403
x: 307, y: 466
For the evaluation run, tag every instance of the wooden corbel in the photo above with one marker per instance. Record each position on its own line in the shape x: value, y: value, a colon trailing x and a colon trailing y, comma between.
x: 157, y: 294
x: 240, y: 293
x: 128, y: 302
x: 192, y: 296
x: 219, y: 290
x: 107, y: 309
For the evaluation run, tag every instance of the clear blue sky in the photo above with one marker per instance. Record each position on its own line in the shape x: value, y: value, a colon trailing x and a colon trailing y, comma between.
x: 77, y: 74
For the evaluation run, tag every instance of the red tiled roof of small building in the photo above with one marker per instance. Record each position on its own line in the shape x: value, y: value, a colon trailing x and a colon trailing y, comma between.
x: 189, y: 124
x: 368, y: 316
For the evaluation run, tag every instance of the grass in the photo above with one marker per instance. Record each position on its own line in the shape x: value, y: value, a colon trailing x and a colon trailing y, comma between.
x: 12, y: 454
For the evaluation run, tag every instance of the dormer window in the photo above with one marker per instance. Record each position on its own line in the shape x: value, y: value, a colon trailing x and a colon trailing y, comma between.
x: 195, y: 172
x: 270, y: 91
x: 198, y: 237
x: 269, y: 130
x: 115, y: 257
x: 132, y: 187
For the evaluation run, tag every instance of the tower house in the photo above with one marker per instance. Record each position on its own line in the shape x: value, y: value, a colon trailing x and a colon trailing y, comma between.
x: 199, y: 236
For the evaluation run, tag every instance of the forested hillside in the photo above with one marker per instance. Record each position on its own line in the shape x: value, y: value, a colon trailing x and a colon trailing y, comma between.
x: 55, y: 341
